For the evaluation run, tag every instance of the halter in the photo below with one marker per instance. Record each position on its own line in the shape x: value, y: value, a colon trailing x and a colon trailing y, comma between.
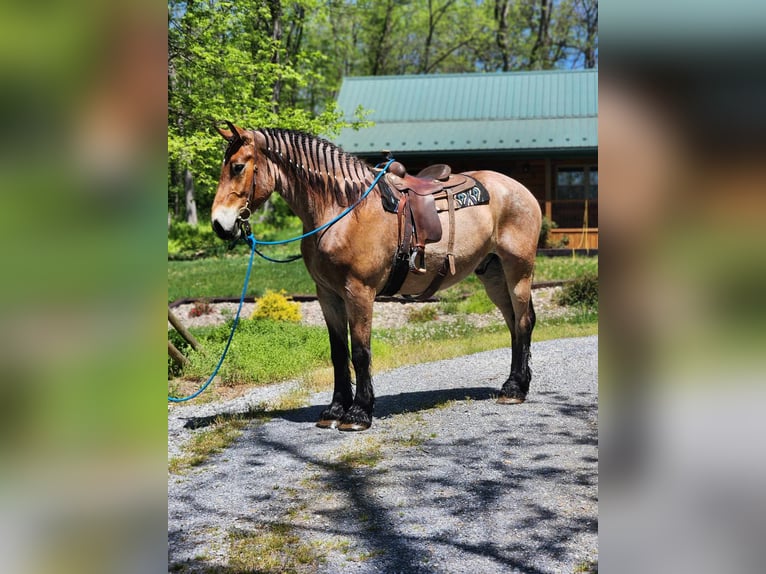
x: 244, y: 214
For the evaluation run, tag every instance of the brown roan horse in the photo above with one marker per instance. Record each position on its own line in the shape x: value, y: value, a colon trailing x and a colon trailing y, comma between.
x: 352, y: 259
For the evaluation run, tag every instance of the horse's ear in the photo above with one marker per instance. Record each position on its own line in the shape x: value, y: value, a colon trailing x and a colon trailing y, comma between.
x: 230, y: 134
x: 225, y: 134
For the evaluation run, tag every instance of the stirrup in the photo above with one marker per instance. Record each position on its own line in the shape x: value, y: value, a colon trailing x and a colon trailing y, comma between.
x: 414, y: 267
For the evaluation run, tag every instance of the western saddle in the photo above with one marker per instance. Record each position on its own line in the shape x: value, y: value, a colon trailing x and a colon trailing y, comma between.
x: 418, y: 202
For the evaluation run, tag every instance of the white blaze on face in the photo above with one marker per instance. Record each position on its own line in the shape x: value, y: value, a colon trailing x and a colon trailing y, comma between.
x: 226, y: 218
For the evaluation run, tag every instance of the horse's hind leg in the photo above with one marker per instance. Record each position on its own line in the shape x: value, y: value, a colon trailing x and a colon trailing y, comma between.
x: 515, y: 303
x: 334, y: 311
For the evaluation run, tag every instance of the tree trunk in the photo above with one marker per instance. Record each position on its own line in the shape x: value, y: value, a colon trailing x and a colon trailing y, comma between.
x: 275, y: 7
x: 191, y: 205
x: 429, y: 38
x: 539, y: 55
x: 501, y: 17
x: 591, y: 29
x: 380, y: 44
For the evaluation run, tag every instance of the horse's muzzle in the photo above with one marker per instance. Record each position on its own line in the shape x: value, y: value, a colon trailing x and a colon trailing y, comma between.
x: 226, y: 235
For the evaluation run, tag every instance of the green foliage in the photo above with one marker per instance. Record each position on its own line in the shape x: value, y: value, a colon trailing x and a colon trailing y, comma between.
x: 544, y: 241
x: 275, y: 222
x: 264, y: 63
x: 384, y: 37
x: 185, y: 240
x: 275, y: 549
x: 582, y: 292
x: 261, y: 352
x: 243, y: 61
x: 175, y: 370
x: 275, y: 306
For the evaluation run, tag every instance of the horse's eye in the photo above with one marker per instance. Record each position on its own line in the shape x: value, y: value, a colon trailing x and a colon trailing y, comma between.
x: 237, y: 168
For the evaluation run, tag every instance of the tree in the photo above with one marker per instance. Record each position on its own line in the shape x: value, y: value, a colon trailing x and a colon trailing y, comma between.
x: 280, y: 63
x: 230, y: 59
x: 544, y: 34
x: 586, y: 33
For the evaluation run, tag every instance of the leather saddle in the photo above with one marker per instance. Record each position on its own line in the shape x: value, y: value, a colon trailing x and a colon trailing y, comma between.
x: 421, y: 192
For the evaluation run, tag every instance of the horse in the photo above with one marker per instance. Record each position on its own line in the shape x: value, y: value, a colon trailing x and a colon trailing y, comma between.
x: 352, y: 259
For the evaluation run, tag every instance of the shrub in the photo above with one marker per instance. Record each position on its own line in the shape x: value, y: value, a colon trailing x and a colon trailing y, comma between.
x: 277, y: 307
x: 544, y: 241
x: 201, y: 307
x: 582, y: 292
x: 185, y: 239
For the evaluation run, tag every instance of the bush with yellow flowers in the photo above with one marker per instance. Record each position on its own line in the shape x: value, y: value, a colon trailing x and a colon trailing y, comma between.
x: 277, y: 306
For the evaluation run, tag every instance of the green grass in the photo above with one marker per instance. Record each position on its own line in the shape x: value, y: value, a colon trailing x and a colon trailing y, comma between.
x: 223, y: 276
x: 204, y: 444
x: 393, y: 348
x: 562, y: 268
x: 262, y: 352
x: 276, y: 549
x: 364, y: 453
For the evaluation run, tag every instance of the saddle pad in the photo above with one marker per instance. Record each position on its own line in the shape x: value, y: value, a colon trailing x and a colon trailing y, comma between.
x: 477, y: 195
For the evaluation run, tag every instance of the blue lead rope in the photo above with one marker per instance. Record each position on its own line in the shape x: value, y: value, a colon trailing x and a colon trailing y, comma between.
x: 253, y: 242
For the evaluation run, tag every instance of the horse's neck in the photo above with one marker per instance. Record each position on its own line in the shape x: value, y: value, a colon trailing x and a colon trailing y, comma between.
x: 295, y: 191
x: 313, y: 207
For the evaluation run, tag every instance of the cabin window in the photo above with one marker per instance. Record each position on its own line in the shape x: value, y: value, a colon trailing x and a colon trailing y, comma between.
x: 575, y: 185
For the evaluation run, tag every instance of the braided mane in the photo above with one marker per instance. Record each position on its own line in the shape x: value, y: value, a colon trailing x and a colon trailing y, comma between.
x: 316, y: 166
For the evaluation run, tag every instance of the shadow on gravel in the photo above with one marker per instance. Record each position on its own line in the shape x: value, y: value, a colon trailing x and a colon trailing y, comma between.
x: 367, y: 518
x: 498, y: 500
x: 385, y: 406
x: 389, y: 405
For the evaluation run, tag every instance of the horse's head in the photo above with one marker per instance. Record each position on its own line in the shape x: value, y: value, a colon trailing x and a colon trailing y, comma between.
x: 242, y: 187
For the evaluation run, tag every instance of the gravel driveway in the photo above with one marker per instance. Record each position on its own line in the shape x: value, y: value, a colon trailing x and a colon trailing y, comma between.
x: 446, y: 480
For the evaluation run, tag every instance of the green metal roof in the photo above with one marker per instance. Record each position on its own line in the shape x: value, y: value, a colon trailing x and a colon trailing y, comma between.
x: 505, y: 111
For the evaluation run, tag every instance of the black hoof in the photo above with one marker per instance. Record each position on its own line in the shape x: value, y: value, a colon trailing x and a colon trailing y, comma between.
x: 328, y: 423
x: 513, y: 393
x: 331, y: 416
x: 503, y: 400
x: 355, y: 419
x: 353, y: 427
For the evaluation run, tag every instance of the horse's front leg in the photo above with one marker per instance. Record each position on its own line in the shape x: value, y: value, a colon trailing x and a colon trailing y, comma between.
x: 334, y: 311
x: 359, y: 310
